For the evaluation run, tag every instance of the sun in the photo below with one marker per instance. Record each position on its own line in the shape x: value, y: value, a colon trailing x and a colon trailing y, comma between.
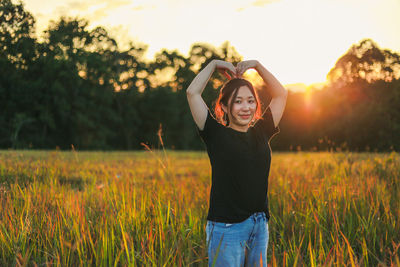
x: 308, y: 93
x: 252, y: 76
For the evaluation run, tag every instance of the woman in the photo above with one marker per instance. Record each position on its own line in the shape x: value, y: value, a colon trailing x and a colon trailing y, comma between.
x: 237, y: 144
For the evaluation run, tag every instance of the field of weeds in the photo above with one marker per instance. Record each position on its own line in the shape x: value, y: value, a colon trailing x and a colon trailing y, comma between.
x: 149, y: 208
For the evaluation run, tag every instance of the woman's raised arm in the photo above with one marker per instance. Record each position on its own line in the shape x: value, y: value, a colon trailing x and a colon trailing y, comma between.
x: 197, y: 105
x: 274, y: 87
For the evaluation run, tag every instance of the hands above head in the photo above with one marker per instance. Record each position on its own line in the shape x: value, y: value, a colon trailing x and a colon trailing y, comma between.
x: 236, y: 72
x: 224, y: 66
x: 242, y: 66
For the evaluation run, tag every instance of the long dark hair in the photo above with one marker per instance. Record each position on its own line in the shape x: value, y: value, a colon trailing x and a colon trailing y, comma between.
x: 230, y: 88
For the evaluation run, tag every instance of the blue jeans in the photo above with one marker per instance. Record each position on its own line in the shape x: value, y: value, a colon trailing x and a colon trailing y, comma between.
x: 238, y: 244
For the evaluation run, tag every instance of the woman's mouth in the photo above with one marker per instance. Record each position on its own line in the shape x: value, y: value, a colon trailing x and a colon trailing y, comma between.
x: 245, y: 116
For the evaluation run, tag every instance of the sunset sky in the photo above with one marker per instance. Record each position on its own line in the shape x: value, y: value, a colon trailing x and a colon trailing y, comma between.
x: 299, y: 41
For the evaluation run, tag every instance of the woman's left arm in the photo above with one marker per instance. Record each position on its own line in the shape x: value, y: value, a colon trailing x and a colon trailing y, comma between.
x: 274, y: 87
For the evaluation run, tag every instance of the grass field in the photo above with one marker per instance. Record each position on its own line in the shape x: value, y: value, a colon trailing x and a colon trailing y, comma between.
x: 149, y: 209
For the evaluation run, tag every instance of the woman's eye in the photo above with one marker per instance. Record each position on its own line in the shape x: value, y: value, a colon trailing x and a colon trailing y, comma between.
x: 251, y: 101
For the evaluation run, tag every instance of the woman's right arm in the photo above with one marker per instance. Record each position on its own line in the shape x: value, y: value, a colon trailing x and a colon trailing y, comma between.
x: 197, y: 105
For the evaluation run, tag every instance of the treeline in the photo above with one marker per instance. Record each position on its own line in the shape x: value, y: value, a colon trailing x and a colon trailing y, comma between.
x: 76, y: 86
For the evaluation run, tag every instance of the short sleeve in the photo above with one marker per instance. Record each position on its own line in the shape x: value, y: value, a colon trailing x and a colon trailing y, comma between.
x: 210, y: 127
x: 266, y: 125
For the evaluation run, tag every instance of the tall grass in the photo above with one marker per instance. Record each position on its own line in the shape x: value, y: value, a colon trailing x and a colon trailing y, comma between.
x: 149, y: 209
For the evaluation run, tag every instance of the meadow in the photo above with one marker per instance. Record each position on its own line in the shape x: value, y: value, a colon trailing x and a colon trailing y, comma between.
x: 149, y: 208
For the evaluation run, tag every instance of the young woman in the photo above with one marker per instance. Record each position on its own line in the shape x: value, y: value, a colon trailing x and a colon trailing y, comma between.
x: 237, y: 142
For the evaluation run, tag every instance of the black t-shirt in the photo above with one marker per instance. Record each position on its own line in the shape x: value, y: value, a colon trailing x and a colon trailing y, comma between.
x: 240, y: 163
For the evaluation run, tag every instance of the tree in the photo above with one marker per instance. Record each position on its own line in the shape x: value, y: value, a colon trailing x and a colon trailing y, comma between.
x: 365, y: 61
x: 80, y: 81
x: 17, y: 51
x: 131, y: 81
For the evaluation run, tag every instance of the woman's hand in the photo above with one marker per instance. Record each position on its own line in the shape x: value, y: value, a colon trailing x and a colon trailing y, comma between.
x: 223, y: 67
x: 245, y: 65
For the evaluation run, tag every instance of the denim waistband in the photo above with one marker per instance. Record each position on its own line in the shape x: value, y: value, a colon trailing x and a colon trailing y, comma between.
x: 257, y: 215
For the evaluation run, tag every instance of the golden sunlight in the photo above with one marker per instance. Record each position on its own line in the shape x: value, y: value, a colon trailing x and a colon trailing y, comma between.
x: 253, y: 77
x: 308, y: 97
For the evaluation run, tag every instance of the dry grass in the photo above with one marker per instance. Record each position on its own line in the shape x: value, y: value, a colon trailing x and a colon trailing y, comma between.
x: 149, y: 209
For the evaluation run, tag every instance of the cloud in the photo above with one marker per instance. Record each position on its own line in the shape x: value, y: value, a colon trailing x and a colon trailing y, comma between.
x: 92, y: 10
x: 257, y: 3
x: 263, y: 2
x: 143, y: 7
x: 87, y: 6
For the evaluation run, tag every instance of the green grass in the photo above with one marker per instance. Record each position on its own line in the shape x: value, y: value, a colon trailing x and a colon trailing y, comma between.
x: 149, y: 209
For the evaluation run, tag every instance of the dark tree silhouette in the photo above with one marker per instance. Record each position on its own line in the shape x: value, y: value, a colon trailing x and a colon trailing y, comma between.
x: 77, y: 87
x: 365, y: 61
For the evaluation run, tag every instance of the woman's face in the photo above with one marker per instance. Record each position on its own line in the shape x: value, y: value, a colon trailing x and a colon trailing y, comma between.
x: 244, y: 107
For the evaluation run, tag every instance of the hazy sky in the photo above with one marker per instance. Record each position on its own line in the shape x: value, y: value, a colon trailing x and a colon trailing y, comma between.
x: 299, y: 41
